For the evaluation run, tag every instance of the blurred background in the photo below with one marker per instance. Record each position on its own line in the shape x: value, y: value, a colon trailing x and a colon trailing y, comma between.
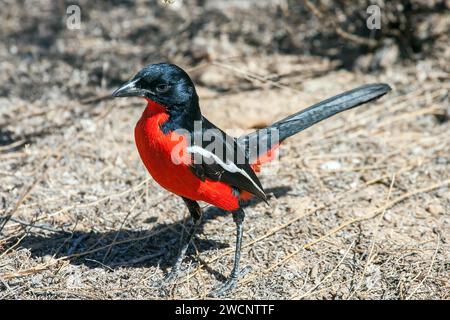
x: 359, y: 208
x: 113, y: 39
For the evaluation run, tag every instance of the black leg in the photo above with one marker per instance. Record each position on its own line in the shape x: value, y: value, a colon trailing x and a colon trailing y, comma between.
x: 230, y: 284
x: 196, y: 215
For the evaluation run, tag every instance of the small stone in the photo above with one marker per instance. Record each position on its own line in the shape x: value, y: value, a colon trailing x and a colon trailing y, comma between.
x: 331, y: 165
x: 387, y: 217
x: 47, y: 258
x: 435, y: 209
x: 314, y: 272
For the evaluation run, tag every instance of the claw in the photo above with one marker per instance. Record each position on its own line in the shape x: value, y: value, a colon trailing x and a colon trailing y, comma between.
x: 245, y: 270
x: 229, y: 285
x: 224, y: 289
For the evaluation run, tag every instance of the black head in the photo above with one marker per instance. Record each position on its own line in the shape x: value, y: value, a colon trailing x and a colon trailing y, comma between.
x: 164, y: 83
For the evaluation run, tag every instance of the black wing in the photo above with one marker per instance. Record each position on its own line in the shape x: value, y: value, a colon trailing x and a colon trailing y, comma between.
x: 217, y: 156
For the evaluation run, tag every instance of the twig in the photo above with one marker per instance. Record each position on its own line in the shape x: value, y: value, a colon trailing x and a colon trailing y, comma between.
x: 7, y: 287
x: 121, y: 226
x: 100, y: 263
x: 22, y: 198
x: 12, y: 145
x: 96, y: 99
x: 42, y: 166
x: 26, y: 272
x: 76, y: 242
x: 327, y: 276
x: 429, y: 269
x: 93, y: 203
x: 137, y: 260
x: 369, y: 256
x: 252, y: 76
x: 379, y: 211
x: 36, y: 226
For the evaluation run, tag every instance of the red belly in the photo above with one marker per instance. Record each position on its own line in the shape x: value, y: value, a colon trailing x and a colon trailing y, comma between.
x: 155, y: 149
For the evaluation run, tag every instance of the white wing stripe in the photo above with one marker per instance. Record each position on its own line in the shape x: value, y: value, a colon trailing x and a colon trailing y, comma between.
x: 228, y: 166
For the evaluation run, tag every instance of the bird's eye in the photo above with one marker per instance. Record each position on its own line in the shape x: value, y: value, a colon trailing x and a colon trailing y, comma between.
x: 163, y: 87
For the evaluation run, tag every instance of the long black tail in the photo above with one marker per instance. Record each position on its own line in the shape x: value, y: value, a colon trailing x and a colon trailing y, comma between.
x: 259, y: 142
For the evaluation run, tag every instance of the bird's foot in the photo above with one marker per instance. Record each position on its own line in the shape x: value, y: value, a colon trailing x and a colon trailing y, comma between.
x: 168, y: 283
x: 229, y: 285
x: 224, y: 289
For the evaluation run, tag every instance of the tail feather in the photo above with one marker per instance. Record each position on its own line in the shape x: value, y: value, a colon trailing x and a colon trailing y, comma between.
x: 258, y: 142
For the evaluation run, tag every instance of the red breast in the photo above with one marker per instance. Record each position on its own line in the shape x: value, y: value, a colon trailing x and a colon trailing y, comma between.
x: 158, y: 152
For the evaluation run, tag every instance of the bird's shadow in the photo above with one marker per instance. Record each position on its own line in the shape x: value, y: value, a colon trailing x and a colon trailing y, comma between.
x: 156, y: 247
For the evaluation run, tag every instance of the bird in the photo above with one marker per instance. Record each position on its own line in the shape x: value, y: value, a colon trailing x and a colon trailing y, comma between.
x: 174, y: 140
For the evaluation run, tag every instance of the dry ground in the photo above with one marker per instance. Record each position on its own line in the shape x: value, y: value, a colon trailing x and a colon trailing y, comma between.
x: 360, y: 203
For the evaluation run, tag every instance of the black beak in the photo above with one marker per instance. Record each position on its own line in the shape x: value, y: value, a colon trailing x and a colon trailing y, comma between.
x: 129, y: 89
